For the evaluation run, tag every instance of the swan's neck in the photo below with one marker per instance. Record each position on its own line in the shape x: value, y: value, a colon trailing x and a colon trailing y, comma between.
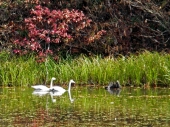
x: 51, y: 84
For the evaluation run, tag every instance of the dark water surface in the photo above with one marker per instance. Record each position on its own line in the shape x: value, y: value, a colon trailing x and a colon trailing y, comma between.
x: 92, y: 106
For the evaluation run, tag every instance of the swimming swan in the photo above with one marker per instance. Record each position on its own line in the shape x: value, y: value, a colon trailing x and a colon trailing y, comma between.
x: 59, y: 90
x: 43, y: 87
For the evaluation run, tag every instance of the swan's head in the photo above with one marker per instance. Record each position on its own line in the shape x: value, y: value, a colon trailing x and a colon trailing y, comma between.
x: 72, y: 81
x: 53, y: 78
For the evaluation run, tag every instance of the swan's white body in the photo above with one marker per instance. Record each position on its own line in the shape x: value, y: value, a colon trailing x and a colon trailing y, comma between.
x: 40, y: 87
x: 58, y: 89
x: 58, y: 92
x: 43, y: 87
x: 62, y: 90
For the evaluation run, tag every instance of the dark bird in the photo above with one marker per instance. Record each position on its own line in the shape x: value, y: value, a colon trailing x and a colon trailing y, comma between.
x: 114, y: 88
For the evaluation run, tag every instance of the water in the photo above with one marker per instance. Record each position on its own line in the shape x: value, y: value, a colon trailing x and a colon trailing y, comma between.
x: 92, y: 106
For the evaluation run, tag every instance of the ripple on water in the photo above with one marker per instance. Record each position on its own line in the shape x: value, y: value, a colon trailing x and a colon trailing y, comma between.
x: 96, y: 108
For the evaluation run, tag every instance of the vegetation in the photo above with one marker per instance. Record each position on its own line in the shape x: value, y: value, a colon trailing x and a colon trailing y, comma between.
x: 103, y: 27
x: 146, y: 68
x: 46, y: 30
x: 130, y: 25
x: 93, y: 42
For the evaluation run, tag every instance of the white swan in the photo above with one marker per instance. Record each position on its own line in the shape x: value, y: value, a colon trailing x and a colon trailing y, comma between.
x: 59, y: 90
x: 43, y: 87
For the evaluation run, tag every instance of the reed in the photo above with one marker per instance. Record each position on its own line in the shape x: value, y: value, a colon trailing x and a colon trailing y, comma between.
x: 19, y: 71
x: 145, y: 68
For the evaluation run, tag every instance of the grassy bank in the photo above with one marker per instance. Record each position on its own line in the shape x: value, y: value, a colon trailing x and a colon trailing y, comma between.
x: 145, y: 68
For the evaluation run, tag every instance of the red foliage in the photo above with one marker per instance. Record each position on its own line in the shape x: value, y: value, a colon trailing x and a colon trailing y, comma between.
x: 131, y: 27
x: 45, y: 27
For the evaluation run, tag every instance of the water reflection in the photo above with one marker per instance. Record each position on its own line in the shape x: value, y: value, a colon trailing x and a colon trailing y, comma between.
x: 115, y: 91
x: 20, y: 108
x: 40, y: 93
x: 52, y: 94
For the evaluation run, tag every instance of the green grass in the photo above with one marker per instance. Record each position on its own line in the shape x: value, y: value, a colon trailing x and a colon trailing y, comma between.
x: 149, y: 68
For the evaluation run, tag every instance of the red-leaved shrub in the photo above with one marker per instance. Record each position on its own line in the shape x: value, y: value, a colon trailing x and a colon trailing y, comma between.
x: 46, y: 27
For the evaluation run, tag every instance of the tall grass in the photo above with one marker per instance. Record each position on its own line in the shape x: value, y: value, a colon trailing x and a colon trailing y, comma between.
x: 145, y: 68
x: 19, y: 71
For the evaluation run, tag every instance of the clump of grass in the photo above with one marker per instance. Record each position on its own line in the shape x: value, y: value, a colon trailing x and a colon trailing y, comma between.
x: 19, y: 71
x: 145, y: 68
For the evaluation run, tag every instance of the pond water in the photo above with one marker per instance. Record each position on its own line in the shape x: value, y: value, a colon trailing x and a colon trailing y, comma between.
x: 92, y: 106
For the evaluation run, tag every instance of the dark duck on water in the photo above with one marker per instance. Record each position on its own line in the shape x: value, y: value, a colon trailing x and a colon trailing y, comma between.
x: 113, y: 85
x: 114, y: 88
